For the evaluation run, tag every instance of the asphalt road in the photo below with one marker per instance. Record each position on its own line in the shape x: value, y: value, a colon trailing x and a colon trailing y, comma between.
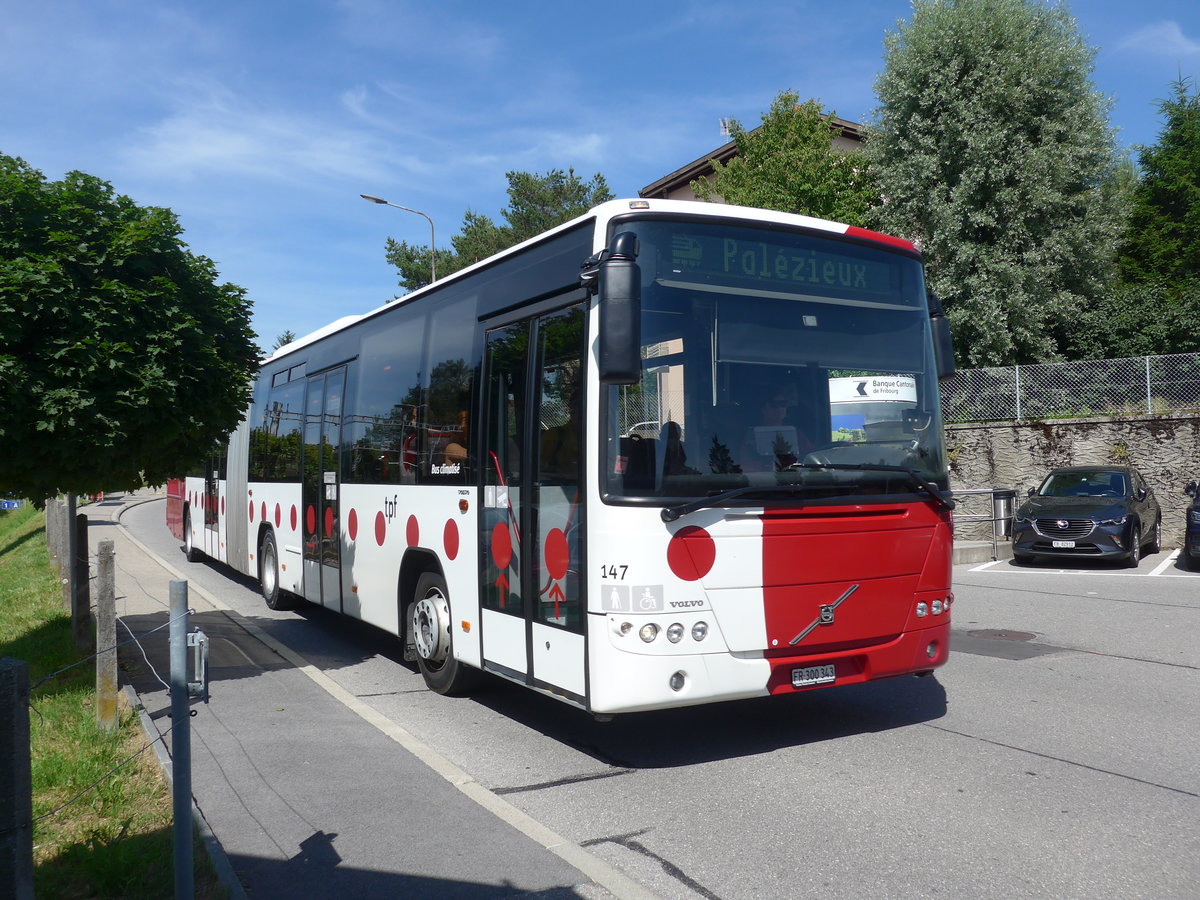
x: 1054, y: 756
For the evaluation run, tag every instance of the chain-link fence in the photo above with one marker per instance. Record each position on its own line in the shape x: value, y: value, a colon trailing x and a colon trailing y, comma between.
x: 1143, y: 385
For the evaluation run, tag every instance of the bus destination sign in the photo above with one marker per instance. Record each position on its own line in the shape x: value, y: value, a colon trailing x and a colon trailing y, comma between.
x: 782, y: 266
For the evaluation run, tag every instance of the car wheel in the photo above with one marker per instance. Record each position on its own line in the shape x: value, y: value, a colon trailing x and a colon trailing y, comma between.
x: 1155, y: 538
x: 189, y: 544
x: 268, y: 561
x: 430, y: 630
x: 1192, y: 561
x: 1135, y: 548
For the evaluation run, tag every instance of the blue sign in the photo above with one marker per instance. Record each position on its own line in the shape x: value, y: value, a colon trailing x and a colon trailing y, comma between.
x: 10, y: 504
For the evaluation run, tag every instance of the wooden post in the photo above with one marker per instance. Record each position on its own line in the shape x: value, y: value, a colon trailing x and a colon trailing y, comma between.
x: 106, y: 640
x: 16, y: 786
x: 81, y: 598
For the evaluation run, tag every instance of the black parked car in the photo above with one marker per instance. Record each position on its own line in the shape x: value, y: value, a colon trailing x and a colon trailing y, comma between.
x: 1191, y: 534
x: 1097, y: 512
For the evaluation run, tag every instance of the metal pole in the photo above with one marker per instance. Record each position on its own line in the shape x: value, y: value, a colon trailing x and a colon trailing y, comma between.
x: 1149, y: 400
x: 1017, y: 369
x: 16, y: 790
x: 81, y: 588
x: 181, y: 742
x: 106, y: 640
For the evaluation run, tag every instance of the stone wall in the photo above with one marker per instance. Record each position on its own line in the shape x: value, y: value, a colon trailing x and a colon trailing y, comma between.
x: 1016, y: 455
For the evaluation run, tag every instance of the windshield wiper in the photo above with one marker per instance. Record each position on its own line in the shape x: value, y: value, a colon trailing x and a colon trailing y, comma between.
x: 671, y: 513
x: 942, y: 499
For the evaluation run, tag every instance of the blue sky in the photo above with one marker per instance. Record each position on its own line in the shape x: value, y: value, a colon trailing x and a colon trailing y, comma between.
x: 260, y: 123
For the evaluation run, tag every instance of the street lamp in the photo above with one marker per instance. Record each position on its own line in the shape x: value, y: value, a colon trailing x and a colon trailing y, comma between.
x: 432, y: 241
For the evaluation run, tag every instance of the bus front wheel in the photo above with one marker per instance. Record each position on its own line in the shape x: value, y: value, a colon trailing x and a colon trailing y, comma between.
x: 430, y: 629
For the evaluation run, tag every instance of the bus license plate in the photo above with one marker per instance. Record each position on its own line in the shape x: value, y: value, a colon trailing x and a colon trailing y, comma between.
x: 811, y: 675
x: 1065, y: 545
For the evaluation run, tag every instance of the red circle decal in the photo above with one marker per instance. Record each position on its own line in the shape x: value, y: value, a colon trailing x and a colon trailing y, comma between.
x: 450, y: 538
x: 380, y: 528
x: 310, y: 520
x: 222, y: 506
x: 352, y: 524
x: 293, y: 517
x: 557, y: 553
x: 501, y: 545
x: 278, y: 515
x: 412, y: 532
x: 251, y: 510
x: 264, y: 511
x: 691, y: 553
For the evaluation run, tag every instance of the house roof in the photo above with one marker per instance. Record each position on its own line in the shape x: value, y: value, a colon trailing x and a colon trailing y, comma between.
x: 702, y: 167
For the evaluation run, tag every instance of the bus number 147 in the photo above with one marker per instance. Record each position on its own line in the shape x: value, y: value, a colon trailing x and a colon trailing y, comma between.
x: 614, y: 572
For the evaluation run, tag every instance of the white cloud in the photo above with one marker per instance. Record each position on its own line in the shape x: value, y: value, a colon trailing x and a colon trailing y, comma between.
x: 1164, y: 38
x: 219, y: 134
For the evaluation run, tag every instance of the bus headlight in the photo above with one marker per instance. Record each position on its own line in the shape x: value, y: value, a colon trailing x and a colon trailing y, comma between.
x: 649, y: 632
x: 675, y: 633
x: 677, y: 681
x: 699, y: 631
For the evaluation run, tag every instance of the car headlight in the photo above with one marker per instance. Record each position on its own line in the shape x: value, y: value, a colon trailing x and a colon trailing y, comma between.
x: 1023, y: 520
x: 1194, y: 516
x: 1115, y: 520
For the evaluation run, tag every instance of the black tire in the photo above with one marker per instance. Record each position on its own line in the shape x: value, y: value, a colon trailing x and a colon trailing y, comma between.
x: 429, y: 627
x: 189, y: 546
x: 268, y: 574
x: 1191, y: 561
x: 1155, y: 544
x: 1135, y: 547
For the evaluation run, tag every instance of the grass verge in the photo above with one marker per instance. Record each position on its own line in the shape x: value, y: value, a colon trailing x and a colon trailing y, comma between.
x: 115, y: 839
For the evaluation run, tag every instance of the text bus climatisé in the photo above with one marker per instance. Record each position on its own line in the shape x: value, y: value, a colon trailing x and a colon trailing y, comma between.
x: 615, y: 463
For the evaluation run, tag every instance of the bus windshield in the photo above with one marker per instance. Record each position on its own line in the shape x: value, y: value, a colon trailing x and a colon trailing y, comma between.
x: 779, y: 359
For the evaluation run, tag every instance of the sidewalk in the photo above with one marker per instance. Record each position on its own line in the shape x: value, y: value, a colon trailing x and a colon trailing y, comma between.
x: 307, y: 797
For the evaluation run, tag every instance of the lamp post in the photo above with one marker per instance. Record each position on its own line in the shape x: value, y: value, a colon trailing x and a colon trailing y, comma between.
x: 432, y: 240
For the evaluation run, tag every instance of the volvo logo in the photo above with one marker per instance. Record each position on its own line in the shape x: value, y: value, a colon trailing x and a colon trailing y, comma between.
x: 824, y: 615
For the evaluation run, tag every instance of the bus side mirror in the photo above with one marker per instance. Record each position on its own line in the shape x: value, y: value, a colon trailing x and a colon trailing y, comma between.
x: 943, y: 341
x: 621, y: 312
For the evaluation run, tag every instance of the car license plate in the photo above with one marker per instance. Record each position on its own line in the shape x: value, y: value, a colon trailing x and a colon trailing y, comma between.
x: 811, y: 675
x: 1065, y: 545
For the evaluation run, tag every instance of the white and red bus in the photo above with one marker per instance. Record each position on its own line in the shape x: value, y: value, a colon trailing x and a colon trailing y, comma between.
x: 604, y: 464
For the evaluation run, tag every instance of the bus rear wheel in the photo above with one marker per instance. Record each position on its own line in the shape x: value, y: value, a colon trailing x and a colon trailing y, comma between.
x: 268, y: 574
x: 189, y: 543
x: 430, y: 632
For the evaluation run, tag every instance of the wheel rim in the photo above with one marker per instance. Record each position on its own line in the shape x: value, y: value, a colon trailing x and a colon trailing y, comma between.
x: 1137, y: 542
x: 269, y: 573
x: 430, y: 627
x: 187, y: 534
x: 1158, y: 535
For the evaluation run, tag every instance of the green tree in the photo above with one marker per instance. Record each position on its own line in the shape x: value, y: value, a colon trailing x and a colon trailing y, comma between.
x: 536, y: 204
x: 789, y: 163
x: 1147, y: 318
x: 283, y: 339
x: 1163, y: 241
x: 121, y: 357
x: 993, y: 152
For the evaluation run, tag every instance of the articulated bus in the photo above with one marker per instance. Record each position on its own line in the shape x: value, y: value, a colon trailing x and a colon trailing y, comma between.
x: 609, y: 464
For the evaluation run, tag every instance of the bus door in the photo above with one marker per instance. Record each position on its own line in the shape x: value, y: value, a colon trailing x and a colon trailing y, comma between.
x: 532, y: 527
x: 320, y: 486
x: 214, y: 473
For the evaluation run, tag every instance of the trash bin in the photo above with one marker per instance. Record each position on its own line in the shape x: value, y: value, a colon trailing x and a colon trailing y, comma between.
x: 1003, y: 506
